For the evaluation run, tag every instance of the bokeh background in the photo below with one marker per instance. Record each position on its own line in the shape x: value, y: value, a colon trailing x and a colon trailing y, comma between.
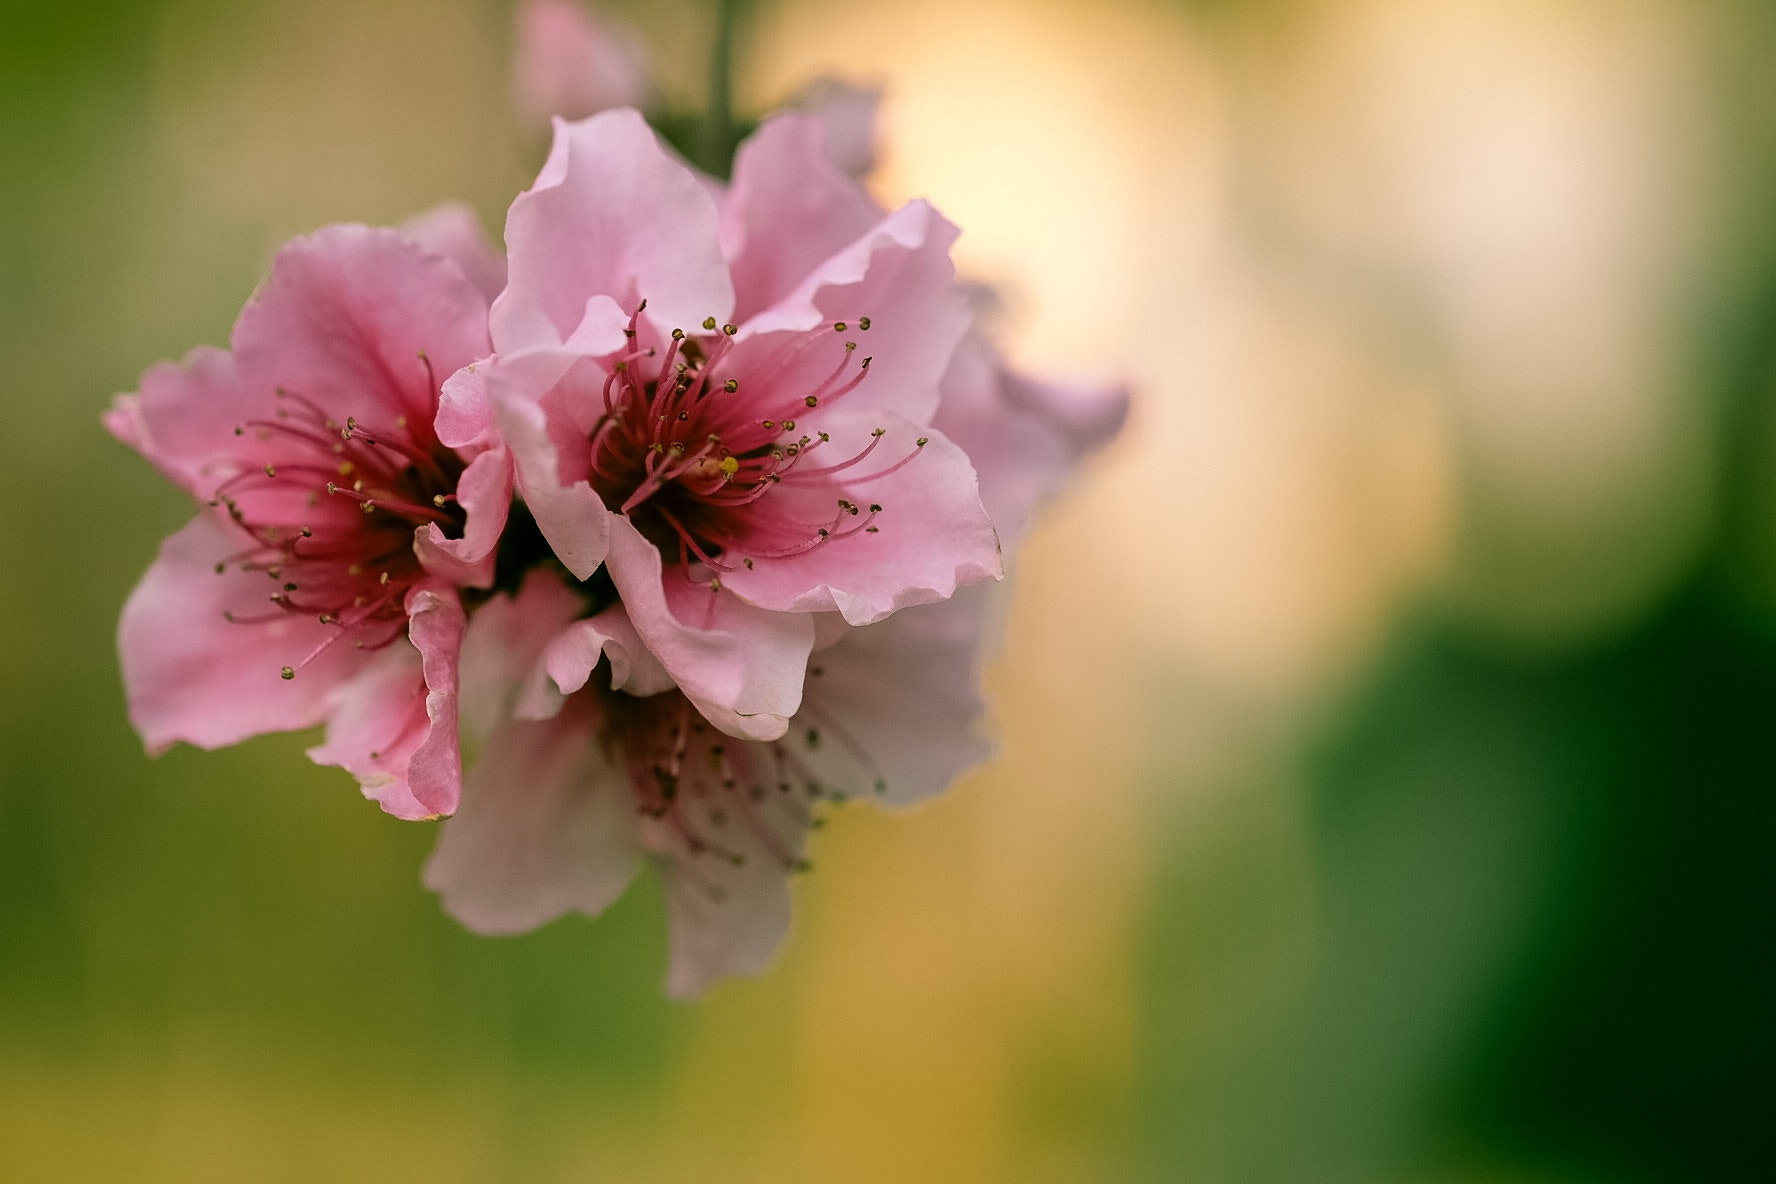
x: 1388, y: 718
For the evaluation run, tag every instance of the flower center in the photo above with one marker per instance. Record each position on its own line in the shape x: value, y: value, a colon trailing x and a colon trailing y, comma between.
x: 714, y: 792
x: 332, y: 518
x: 693, y: 458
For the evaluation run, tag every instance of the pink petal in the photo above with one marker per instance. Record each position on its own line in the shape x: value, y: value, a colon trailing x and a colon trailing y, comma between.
x: 574, y: 63
x: 932, y: 536
x: 192, y: 675
x: 574, y: 652
x: 1024, y: 437
x: 546, y: 826
x: 740, y: 665
x: 394, y: 728
x: 724, y: 918
x: 485, y: 493
x: 541, y: 400
x: 452, y: 229
x: 362, y: 322
x: 899, y: 276
x: 787, y: 211
x: 896, y: 707
x: 184, y: 417
x: 502, y: 648
x: 611, y: 214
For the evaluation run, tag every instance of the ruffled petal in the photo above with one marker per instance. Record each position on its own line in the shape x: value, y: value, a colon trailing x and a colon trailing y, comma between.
x: 742, y: 666
x: 502, y: 651
x: 539, y: 399
x: 452, y: 229
x: 787, y: 211
x: 727, y: 910
x: 363, y: 322
x: 573, y: 653
x: 193, y: 675
x: 893, y: 711
x: 1023, y: 436
x: 932, y: 534
x: 611, y: 214
x: 394, y: 727
x: 547, y: 826
x: 899, y: 276
x: 183, y: 421
x: 484, y: 491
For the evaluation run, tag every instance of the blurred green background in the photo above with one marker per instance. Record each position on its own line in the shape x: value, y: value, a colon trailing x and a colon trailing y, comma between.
x: 1389, y: 718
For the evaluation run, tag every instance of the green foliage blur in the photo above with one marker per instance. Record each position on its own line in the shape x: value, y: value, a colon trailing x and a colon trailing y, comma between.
x: 1504, y: 915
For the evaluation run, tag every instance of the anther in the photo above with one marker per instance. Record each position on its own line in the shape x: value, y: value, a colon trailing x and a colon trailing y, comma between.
x: 679, y: 334
x: 287, y: 673
x: 863, y: 323
x: 709, y: 322
x: 731, y: 385
x: 730, y: 330
x: 838, y: 326
x: 811, y: 401
x: 270, y: 471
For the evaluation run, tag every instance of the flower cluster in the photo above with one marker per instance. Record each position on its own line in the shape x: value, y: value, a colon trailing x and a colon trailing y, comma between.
x: 673, y: 519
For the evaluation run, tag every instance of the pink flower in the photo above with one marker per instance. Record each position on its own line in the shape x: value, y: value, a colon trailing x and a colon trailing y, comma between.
x: 320, y: 581
x: 571, y: 791
x: 595, y: 761
x: 725, y: 401
x: 572, y: 62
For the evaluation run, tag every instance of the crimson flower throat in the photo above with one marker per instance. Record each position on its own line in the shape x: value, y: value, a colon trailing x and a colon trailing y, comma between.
x: 332, y: 517
x: 694, y: 455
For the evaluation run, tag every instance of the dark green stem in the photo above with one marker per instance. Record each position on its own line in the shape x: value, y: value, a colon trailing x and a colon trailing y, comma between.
x: 719, y: 137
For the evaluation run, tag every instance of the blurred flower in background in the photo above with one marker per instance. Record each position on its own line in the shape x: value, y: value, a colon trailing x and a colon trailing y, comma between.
x: 1385, y: 791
